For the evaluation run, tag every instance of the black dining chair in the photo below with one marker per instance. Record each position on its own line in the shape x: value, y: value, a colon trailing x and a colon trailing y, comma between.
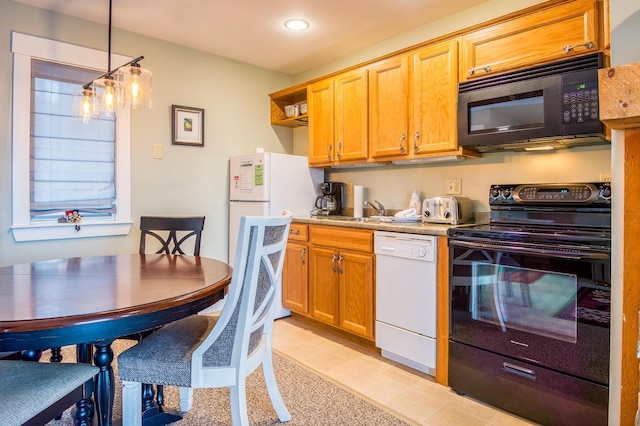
x: 33, y: 393
x: 171, y: 233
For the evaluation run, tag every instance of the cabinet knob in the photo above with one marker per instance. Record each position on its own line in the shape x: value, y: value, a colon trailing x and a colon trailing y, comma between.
x: 402, y: 138
x: 416, y: 136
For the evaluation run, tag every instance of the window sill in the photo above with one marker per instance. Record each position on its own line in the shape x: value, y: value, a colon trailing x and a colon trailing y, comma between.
x: 60, y: 231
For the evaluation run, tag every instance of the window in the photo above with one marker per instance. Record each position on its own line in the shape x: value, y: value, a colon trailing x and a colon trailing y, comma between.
x: 60, y: 163
x: 72, y: 163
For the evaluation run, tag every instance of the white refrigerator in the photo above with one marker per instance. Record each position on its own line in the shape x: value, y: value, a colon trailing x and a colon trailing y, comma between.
x: 265, y: 184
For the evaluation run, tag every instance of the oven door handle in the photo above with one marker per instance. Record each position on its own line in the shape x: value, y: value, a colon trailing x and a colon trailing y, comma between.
x: 529, y: 250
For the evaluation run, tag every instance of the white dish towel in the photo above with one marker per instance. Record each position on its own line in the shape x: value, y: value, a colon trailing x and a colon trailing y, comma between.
x: 406, y: 214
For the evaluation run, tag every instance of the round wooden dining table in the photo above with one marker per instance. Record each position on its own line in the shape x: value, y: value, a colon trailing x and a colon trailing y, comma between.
x: 94, y: 300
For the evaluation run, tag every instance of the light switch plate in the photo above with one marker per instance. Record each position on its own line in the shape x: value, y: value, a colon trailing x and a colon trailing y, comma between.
x: 157, y: 151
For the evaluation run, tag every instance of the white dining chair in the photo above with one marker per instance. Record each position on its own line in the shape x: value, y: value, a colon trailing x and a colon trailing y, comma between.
x: 203, y: 351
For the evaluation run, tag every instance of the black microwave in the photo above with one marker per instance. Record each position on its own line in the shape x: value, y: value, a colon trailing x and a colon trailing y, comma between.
x: 543, y: 107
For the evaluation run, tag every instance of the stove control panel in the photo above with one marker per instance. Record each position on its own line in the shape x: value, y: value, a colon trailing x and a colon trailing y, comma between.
x: 551, y: 193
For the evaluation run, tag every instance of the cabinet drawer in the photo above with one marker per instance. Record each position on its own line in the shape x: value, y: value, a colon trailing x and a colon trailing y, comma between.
x: 342, y: 238
x: 299, y: 232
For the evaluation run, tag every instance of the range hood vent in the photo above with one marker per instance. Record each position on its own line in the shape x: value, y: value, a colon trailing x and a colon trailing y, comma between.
x: 545, y: 144
x: 440, y: 157
x: 357, y: 165
x: 429, y: 160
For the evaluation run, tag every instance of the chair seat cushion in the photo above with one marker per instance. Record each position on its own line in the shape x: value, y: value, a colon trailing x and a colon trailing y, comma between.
x: 164, y: 358
x: 28, y: 388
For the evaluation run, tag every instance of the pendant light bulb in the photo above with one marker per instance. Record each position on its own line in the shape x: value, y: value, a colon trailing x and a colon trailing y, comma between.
x: 108, y: 97
x: 87, y: 107
x: 135, y: 82
x: 136, y: 85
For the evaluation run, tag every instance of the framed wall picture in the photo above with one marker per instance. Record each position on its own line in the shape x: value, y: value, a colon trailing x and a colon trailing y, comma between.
x: 187, y: 125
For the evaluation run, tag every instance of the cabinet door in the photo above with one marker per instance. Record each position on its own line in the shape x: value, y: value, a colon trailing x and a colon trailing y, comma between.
x: 531, y: 39
x: 356, y: 293
x: 351, y: 115
x: 323, y: 284
x: 295, y: 282
x: 321, y: 114
x: 389, y: 107
x: 434, y: 98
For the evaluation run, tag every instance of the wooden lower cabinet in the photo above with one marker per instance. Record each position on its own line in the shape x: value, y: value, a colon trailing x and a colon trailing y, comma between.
x: 295, y: 273
x: 355, y: 283
x: 295, y: 278
x: 341, y: 281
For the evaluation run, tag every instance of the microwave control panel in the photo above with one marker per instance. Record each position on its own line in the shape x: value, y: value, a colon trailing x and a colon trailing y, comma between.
x: 597, y: 193
x: 580, y: 97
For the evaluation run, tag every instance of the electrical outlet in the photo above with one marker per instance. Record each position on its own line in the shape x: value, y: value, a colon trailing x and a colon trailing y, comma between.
x: 454, y: 186
x: 349, y: 188
x: 605, y: 177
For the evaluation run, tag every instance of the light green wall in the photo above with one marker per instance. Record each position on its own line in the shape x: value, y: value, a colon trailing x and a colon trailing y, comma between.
x: 188, y: 180
x: 392, y: 185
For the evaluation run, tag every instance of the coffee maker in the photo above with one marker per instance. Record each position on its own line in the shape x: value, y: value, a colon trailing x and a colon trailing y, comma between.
x: 330, y: 202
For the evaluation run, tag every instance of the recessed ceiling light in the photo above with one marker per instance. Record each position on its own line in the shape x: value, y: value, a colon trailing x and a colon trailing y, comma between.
x: 296, y: 24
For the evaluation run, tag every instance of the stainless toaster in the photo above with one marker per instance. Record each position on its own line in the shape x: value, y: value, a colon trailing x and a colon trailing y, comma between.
x: 447, y: 209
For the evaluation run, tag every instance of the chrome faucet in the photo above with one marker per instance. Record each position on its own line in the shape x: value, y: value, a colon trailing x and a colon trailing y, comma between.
x: 379, y: 207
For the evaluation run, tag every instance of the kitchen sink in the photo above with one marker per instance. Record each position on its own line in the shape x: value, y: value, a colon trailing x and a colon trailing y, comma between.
x: 346, y: 218
x: 355, y: 219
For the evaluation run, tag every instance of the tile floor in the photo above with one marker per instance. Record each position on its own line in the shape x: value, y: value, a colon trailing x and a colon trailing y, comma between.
x: 409, y: 394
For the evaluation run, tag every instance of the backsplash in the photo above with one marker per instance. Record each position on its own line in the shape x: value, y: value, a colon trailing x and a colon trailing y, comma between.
x: 393, y: 185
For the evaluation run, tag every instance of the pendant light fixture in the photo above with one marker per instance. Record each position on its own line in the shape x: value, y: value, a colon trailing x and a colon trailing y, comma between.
x: 126, y: 85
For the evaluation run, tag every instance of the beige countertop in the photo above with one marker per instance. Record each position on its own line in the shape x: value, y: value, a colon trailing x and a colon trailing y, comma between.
x: 345, y: 221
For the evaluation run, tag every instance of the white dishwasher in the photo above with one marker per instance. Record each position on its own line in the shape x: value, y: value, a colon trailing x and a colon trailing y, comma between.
x: 406, y: 298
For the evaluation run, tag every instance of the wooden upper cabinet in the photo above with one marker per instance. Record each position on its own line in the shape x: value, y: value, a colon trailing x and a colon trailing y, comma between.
x: 569, y: 29
x: 389, y: 107
x: 434, y: 98
x: 352, y: 115
x: 320, y: 106
x: 413, y: 101
x: 338, y: 118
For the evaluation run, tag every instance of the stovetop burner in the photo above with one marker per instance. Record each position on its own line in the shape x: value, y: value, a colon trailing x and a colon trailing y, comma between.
x: 514, y: 235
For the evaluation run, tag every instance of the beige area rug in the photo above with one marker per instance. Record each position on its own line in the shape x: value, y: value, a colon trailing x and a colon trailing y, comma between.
x: 311, y: 399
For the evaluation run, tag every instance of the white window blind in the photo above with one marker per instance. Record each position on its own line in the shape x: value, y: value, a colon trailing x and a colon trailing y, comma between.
x: 73, y: 163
